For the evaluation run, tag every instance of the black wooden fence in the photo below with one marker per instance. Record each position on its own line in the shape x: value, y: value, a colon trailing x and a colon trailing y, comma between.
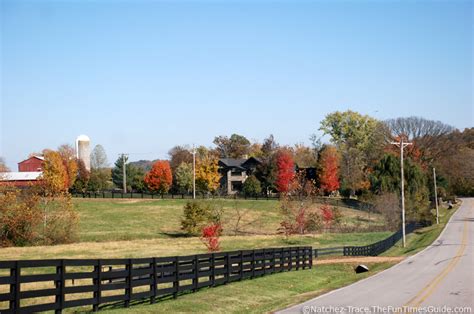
x: 373, y: 249
x: 379, y: 247
x: 65, y: 283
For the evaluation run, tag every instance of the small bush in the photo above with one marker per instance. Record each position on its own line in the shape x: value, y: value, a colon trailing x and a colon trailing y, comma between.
x: 197, y: 215
x: 27, y: 218
x: 210, y: 236
x: 252, y: 187
x: 61, y: 221
x: 19, y: 217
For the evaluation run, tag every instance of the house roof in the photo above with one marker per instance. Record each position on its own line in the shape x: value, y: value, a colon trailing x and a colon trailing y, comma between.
x: 20, y: 176
x: 232, y: 162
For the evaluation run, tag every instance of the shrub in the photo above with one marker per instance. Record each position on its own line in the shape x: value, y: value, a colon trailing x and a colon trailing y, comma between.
x: 210, y: 236
x: 60, y: 220
x: 19, y: 217
x: 27, y: 218
x: 198, y: 214
x: 252, y: 186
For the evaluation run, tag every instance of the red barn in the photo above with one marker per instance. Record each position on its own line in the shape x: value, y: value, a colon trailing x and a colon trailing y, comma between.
x: 20, y: 179
x: 32, y: 164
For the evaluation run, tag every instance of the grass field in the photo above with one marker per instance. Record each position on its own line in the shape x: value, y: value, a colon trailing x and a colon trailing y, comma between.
x: 421, y: 238
x: 261, y: 295
x: 113, y: 220
x: 135, y: 228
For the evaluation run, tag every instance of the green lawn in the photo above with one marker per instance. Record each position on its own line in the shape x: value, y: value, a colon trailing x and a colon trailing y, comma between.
x: 261, y: 295
x: 421, y: 238
x: 113, y: 220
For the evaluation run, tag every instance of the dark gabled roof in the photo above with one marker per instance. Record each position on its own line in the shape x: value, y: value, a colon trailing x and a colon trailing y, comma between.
x: 254, y: 159
x: 232, y: 162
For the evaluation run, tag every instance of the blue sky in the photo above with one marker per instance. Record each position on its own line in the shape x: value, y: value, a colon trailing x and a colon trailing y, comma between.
x: 143, y: 76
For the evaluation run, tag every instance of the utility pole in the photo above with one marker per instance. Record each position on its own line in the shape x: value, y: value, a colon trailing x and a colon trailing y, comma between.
x: 402, y: 146
x: 436, y: 196
x: 124, y: 169
x: 194, y: 172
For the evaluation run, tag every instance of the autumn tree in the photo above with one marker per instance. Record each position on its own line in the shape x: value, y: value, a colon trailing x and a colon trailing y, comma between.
x: 429, y: 137
x: 82, y: 180
x: 3, y: 165
x: 361, y: 140
x: 286, y: 171
x: 329, y: 176
x: 55, y: 179
x: 159, y: 178
x: 183, y: 177
x: 237, y: 146
x: 304, y: 156
x: 207, y: 174
x: 178, y: 155
x: 68, y: 156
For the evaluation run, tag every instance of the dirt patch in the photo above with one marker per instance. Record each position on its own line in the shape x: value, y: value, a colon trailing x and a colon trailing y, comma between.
x: 359, y: 260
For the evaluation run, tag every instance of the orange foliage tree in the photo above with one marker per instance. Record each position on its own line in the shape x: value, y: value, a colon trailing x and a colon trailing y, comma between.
x: 207, y: 174
x: 330, y: 170
x: 55, y: 177
x: 159, y: 178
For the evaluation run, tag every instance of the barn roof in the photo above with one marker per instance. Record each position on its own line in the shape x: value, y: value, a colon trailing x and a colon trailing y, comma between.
x: 37, y: 157
x: 20, y: 176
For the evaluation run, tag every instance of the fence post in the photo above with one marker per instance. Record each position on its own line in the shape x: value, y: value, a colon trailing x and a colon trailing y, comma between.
x: 15, y: 288
x: 196, y: 273
x: 228, y: 266
x: 176, y: 278
x: 311, y: 257
x: 290, y: 264
x: 97, y: 282
x: 253, y: 264
x: 59, y: 283
x: 154, y: 281
x: 241, y: 268
x: 213, y: 270
x: 128, y: 290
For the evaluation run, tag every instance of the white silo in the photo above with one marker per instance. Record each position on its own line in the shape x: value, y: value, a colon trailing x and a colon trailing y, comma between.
x: 83, y: 151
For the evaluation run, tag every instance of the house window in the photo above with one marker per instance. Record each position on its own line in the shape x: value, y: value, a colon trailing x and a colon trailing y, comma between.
x: 236, y: 186
x: 236, y: 172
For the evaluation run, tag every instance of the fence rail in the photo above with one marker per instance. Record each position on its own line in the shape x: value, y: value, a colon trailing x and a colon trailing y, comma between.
x: 373, y: 249
x: 86, y: 282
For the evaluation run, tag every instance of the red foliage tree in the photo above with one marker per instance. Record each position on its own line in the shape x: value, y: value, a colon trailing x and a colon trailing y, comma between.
x: 328, y: 214
x: 159, y: 178
x: 285, y: 171
x: 210, y: 236
x: 330, y: 170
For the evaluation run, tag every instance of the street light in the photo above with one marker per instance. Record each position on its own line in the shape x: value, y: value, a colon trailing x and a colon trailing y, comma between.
x: 402, y: 145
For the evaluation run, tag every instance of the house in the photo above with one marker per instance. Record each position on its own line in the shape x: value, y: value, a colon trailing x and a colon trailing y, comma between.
x: 20, y: 179
x: 32, y: 164
x: 234, y: 172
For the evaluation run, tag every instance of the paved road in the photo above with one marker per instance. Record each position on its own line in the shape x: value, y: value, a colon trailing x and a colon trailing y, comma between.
x: 441, y: 275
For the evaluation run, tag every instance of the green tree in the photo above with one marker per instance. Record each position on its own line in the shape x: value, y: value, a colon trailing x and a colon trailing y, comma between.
x: 184, y: 177
x: 361, y: 140
x: 135, y: 176
x: 237, y: 146
x: 252, y: 186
